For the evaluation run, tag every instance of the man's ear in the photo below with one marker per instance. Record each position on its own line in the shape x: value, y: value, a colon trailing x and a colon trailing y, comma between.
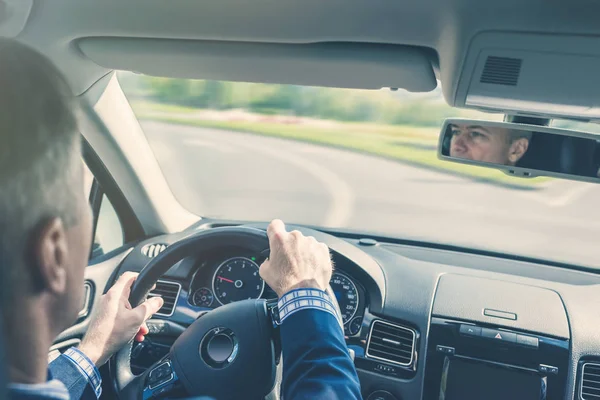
x: 50, y: 256
x: 517, y: 150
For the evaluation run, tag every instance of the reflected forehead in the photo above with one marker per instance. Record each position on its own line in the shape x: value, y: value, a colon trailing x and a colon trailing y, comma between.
x: 489, y: 130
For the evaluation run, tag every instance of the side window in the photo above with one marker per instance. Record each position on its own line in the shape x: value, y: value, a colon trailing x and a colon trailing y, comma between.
x: 108, y: 232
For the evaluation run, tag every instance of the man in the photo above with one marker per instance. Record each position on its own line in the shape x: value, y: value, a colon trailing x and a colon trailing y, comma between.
x: 46, y: 235
x: 493, y: 145
x: 45, y: 243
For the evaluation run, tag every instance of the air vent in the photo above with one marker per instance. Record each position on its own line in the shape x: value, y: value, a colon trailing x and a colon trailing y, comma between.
x: 590, y: 382
x: 169, y: 291
x: 154, y: 249
x: 391, y: 343
x: 501, y: 71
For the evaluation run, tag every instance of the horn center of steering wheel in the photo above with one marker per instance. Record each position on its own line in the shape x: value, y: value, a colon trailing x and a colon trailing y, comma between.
x: 219, y: 347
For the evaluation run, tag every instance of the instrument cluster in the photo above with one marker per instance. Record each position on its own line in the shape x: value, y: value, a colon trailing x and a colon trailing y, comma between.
x: 227, y: 278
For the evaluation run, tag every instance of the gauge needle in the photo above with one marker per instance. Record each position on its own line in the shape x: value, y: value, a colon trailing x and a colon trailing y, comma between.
x: 225, y: 279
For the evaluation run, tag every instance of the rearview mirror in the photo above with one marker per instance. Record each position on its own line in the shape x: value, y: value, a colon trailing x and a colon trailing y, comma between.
x: 522, y: 150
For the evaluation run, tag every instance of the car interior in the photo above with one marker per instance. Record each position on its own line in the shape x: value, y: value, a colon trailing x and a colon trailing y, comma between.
x: 423, y: 320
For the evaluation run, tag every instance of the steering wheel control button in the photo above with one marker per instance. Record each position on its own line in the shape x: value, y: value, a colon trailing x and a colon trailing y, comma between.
x: 500, y: 336
x: 470, y: 330
x: 445, y: 349
x: 160, y: 375
x: 219, y: 347
x: 528, y: 341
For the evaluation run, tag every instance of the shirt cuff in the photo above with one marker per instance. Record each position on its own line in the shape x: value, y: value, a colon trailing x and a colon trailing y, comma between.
x: 86, y: 367
x: 304, y: 299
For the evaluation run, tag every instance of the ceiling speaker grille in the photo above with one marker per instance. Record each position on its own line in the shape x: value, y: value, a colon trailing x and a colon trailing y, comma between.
x: 501, y: 71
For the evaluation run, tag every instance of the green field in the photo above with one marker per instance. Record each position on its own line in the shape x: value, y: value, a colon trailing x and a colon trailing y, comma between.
x: 408, y: 144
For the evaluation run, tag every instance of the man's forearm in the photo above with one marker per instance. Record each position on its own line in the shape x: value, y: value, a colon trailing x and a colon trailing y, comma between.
x: 316, y: 361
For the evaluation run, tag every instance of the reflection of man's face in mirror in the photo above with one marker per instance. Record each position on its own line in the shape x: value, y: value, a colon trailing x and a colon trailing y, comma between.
x: 492, y: 145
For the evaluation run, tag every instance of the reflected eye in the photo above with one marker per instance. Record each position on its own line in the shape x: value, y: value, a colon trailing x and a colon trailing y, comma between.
x: 478, y: 135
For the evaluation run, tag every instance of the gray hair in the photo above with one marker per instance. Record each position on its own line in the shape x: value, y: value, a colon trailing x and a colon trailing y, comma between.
x: 40, y: 155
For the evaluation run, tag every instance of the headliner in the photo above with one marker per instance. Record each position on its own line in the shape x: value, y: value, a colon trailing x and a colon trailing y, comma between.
x: 442, y: 28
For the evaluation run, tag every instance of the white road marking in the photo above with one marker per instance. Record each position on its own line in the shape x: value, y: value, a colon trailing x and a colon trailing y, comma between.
x: 342, y: 196
x: 211, y: 145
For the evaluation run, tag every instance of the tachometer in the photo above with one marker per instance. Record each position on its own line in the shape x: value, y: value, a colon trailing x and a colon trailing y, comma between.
x: 346, y: 295
x: 237, y: 279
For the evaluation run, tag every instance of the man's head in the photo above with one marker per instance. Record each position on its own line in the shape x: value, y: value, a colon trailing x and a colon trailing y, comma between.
x: 45, y: 221
x: 492, y: 145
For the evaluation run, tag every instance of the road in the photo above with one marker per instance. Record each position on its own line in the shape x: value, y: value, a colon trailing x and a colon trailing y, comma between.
x: 243, y: 176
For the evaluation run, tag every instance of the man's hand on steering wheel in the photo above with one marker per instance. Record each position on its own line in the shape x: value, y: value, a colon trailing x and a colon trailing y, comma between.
x: 115, y: 322
x: 296, y: 261
x: 218, y: 348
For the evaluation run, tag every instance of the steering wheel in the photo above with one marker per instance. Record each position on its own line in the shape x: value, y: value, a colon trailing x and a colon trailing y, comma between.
x: 229, y: 353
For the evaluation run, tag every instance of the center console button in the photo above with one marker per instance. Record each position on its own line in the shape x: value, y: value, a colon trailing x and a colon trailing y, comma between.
x: 528, y: 341
x: 445, y: 349
x: 498, y: 335
x: 470, y: 330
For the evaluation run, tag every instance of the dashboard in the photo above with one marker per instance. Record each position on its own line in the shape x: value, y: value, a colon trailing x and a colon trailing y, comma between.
x: 231, y: 274
x: 423, y: 321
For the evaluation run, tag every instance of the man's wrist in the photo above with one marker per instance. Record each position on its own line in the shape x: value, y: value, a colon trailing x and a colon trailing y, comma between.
x: 306, y: 284
x: 305, y: 299
x: 90, y: 351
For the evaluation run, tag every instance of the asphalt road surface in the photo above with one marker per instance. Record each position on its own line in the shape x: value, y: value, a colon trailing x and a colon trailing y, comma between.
x: 243, y: 176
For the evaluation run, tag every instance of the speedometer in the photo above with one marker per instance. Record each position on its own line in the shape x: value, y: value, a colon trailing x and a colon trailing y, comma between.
x: 346, y: 295
x: 237, y: 279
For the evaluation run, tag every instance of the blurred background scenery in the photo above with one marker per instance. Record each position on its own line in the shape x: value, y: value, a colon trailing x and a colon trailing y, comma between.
x: 364, y: 159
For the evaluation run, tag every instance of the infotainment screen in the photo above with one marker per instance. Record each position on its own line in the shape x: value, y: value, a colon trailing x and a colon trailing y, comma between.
x: 464, y: 379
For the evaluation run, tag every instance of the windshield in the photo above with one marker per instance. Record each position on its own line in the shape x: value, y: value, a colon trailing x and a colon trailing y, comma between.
x: 358, y: 159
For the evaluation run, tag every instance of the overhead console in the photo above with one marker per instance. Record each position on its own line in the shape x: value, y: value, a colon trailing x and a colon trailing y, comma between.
x: 496, y: 340
x: 531, y: 74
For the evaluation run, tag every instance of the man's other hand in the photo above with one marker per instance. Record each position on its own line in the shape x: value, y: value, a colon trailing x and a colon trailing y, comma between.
x: 115, y: 322
x: 295, y: 262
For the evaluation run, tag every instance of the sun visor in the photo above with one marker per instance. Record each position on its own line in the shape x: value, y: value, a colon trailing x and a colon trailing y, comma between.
x: 347, y: 65
x: 546, y: 75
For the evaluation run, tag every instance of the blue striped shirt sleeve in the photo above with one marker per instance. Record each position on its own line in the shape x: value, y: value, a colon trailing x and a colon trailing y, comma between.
x: 86, y: 367
x: 304, y: 299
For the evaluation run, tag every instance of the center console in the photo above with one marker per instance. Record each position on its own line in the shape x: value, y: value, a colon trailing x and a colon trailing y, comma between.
x: 481, y: 361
